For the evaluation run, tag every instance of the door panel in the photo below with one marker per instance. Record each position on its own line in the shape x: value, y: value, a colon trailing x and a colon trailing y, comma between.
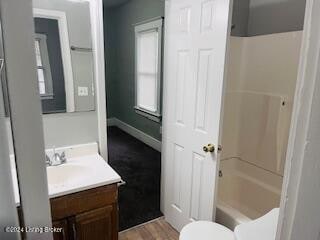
x: 63, y: 235
x: 202, y: 86
x: 183, y: 65
x: 196, y: 43
x: 96, y: 225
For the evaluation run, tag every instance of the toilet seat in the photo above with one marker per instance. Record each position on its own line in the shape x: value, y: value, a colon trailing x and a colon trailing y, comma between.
x: 263, y: 228
x: 205, y: 230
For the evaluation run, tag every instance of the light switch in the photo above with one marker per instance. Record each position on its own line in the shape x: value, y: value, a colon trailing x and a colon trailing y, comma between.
x: 83, y: 91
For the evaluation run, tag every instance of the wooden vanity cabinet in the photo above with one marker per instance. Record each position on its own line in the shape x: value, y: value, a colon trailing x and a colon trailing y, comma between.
x: 64, y: 235
x: 87, y: 215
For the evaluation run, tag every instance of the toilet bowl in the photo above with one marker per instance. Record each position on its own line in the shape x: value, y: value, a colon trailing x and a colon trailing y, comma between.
x: 263, y: 228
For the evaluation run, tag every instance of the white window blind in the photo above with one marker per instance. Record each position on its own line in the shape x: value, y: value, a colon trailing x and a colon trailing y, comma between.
x: 43, y: 67
x: 148, y: 67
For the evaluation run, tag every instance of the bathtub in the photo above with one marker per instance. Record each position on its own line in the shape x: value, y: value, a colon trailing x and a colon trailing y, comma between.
x: 245, y: 192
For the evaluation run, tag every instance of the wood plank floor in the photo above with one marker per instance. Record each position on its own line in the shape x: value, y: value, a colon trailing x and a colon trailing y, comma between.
x: 158, y: 229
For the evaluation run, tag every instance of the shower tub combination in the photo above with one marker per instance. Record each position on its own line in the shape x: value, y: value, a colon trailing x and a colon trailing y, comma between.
x: 246, y: 192
x: 258, y: 103
x: 254, y: 154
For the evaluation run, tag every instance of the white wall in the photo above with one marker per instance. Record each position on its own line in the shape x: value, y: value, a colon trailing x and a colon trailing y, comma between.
x: 261, y: 68
x: 66, y: 129
x: 70, y: 129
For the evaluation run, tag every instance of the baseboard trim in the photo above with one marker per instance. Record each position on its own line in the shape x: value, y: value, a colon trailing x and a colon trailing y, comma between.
x: 142, y: 224
x: 143, y: 137
x: 111, y: 122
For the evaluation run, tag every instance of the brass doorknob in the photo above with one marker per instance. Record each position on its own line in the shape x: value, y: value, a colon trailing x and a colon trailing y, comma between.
x: 208, y: 148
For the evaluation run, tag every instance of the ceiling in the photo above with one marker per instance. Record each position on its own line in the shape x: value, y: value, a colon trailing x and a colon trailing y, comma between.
x: 113, y: 3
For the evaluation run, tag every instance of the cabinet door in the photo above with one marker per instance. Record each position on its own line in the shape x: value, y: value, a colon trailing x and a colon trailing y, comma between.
x: 99, y: 224
x: 63, y: 235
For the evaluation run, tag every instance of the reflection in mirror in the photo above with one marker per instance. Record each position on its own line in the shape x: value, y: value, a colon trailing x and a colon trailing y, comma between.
x: 64, y: 55
x: 64, y: 62
x: 65, y: 65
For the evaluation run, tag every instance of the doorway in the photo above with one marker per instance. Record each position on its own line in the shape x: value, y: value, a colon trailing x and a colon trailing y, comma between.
x: 133, y: 50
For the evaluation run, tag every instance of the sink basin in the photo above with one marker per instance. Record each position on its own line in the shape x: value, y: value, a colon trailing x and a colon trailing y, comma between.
x: 65, y: 174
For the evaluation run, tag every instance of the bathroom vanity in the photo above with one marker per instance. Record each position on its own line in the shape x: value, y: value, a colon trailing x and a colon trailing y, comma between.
x: 90, y: 214
x: 83, y: 195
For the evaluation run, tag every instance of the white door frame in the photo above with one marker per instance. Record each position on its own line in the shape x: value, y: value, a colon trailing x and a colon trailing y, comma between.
x: 164, y: 112
x: 25, y: 113
x: 96, y: 15
x: 61, y: 17
x: 299, y: 211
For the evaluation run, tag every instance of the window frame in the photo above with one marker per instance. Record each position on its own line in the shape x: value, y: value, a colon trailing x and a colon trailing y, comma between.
x: 46, y: 68
x: 143, y: 27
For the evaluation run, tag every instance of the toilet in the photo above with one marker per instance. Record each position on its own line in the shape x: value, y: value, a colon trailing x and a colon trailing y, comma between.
x: 263, y: 228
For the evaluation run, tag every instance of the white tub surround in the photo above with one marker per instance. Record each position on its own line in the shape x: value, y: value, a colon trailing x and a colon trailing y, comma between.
x: 81, y: 172
x: 262, y: 73
x: 229, y: 216
x: 246, y: 192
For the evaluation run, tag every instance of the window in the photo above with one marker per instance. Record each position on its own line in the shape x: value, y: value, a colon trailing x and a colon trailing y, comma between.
x: 43, y: 67
x: 148, y: 38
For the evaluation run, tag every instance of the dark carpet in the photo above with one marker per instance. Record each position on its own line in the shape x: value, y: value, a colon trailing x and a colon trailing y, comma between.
x: 139, y: 166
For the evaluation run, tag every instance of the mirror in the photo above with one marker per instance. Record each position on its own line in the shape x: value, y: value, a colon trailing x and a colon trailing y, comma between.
x: 65, y: 64
x: 64, y: 56
x: 63, y: 42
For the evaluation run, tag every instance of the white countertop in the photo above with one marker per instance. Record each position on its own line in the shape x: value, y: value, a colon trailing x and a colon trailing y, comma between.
x: 78, y: 174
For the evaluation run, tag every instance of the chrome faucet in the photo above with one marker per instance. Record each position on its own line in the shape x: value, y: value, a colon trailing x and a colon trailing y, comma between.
x: 57, y: 159
x: 48, y: 160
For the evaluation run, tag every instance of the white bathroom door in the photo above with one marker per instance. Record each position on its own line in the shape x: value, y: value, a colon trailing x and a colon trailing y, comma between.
x: 197, y: 33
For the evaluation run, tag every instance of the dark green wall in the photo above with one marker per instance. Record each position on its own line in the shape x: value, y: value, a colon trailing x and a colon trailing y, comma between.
x: 260, y: 17
x: 119, y: 52
x: 275, y: 16
x: 49, y: 27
